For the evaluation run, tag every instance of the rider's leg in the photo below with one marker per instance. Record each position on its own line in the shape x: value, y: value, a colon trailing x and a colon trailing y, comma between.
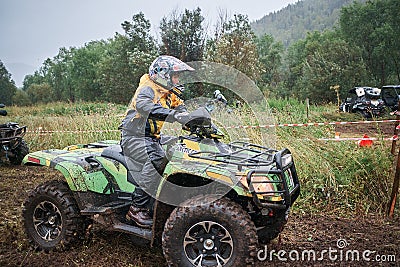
x: 150, y: 163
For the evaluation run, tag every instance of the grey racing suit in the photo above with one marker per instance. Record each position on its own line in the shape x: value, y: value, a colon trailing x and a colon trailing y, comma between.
x: 140, y: 139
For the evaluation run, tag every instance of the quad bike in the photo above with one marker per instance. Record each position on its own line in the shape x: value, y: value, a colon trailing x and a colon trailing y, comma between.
x: 254, y: 188
x: 366, y: 101
x: 12, y: 147
x: 391, y: 96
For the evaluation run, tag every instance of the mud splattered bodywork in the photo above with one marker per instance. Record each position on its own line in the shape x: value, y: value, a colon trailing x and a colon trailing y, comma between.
x: 80, y: 166
x: 249, y: 170
x: 236, y: 165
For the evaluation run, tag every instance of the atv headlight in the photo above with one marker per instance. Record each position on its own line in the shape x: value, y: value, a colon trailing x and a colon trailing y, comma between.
x: 261, y: 188
x: 286, y: 160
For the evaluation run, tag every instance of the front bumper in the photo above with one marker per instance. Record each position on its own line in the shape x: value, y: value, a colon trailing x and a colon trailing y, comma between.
x: 288, y: 184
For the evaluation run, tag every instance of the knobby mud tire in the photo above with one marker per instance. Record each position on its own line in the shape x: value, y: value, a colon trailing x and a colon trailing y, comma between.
x: 223, y: 212
x: 19, y: 153
x: 53, y: 196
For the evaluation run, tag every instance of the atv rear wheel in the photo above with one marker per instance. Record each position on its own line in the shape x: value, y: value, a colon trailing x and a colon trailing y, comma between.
x: 19, y: 153
x: 51, y: 217
x: 205, y: 233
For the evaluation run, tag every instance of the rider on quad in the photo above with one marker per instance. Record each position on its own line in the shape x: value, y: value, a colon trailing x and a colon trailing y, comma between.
x: 220, y: 97
x: 156, y: 100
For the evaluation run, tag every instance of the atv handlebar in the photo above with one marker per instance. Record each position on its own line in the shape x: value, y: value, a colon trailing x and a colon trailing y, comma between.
x: 200, y: 124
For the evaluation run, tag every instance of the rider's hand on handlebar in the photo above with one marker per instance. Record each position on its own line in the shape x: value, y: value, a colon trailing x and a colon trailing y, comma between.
x: 181, y: 117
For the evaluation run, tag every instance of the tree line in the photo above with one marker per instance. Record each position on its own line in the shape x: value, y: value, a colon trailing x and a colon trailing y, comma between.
x: 362, y: 50
x: 294, y: 21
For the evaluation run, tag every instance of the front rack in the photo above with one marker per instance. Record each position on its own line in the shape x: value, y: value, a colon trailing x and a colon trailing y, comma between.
x: 240, y: 154
x: 245, y: 154
x: 11, y: 131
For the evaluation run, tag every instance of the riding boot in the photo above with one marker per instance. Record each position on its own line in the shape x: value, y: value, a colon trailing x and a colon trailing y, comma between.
x: 139, y: 212
x: 140, y: 216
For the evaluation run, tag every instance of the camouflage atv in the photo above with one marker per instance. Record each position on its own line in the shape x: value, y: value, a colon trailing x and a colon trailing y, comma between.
x: 240, y: 194
x: 13, y: 147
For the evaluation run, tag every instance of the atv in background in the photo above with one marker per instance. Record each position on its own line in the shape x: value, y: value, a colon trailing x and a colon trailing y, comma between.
x: 3, y: 112
x: 13, y: 148
x: 391, y: 96
x: 213, y: 205
x: 366, y: 101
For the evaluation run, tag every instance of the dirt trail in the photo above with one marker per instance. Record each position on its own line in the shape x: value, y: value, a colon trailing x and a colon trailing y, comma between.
x: 303, y: 235
x: 385, y: 129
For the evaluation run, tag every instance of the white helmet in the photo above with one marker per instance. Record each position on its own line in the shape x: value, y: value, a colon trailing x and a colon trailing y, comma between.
x: 163, y: 67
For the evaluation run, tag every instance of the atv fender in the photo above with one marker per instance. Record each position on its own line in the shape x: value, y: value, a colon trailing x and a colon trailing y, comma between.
x: 78, y: 173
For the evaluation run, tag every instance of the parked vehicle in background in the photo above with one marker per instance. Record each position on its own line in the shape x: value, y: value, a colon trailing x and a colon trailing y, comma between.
x: 3, y: 112
x: 366, y: 101
x: 391, y: 96
x: 12, y: 147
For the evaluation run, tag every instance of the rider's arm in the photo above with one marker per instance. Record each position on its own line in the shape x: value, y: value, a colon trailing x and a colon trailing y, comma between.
x: 147, y: 108
x: 177, y: 103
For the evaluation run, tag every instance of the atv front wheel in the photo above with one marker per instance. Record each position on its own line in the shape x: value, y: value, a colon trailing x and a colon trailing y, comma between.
x: 205, y: 233
x: 19, y: 153
x: 51, y: 217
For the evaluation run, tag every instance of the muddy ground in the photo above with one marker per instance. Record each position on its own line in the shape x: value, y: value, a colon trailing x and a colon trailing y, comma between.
x: 383, y: 129
x: 343, y: 238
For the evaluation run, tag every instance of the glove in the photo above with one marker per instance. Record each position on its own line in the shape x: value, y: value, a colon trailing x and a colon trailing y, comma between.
x: 180, y: 108
x: 181, y: 117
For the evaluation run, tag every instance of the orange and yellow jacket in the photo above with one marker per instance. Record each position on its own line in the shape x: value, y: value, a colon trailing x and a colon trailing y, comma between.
x: 150, y: 107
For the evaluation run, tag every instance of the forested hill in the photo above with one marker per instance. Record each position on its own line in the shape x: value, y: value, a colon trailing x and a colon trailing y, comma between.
x: 294, y: 21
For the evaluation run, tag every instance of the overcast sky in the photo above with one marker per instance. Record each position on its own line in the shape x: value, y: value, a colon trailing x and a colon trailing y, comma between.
x: 34, y: 30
